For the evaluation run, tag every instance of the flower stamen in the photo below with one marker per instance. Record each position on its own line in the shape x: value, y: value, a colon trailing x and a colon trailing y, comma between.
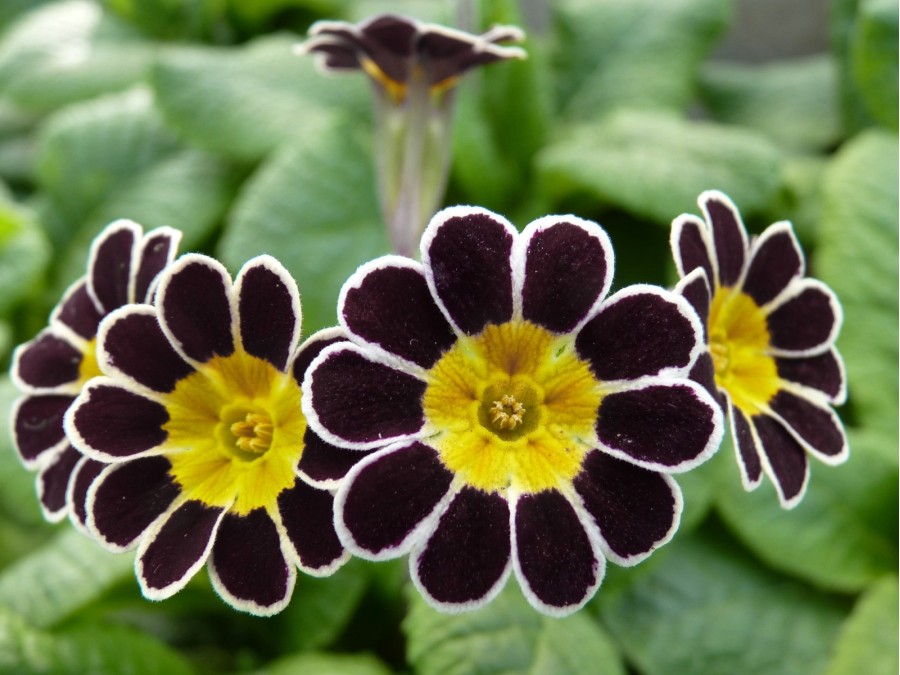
x: 253, y: 433
x: 507, y: 412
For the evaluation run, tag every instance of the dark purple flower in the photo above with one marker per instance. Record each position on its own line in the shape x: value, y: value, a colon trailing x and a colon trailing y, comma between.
x: 210, y: 461
x: 770, y: 333
x: 54, y: 367
x: 521, y: 419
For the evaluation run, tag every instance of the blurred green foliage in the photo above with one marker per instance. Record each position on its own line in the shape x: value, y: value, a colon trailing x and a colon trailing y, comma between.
x: 195, y: 114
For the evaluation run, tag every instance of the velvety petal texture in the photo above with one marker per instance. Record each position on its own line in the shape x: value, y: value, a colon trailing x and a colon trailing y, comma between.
x: 517, y: 420
x: 770, y: 333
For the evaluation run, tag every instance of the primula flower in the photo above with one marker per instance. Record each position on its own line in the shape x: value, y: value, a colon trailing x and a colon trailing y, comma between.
x: 54, y: 366
x: 522, y: 419
x: 414, y: 68
x: 771, y: 335
x: 210, y: 456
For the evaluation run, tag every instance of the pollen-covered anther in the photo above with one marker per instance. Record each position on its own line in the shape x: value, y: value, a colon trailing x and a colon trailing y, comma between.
x: 253, y: 433
x: 507, y: 412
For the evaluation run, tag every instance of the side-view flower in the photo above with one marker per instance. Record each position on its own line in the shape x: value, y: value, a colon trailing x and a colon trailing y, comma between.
x: 209, y: 458
x: 770, y: 334
x: 53, y: 367
x: 414, y: 68
x: 522, y: 421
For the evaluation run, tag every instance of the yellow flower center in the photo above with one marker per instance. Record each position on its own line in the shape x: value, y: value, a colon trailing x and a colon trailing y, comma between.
x: 235, y: 433
x: 512, y: 408
x: 739, y: 344
x: 88, y: 367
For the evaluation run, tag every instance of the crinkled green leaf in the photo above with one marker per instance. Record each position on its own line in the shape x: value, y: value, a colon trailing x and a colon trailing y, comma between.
x: 86, y: 648
x: 246, y: 102
x: 506, y: 636
x: 640, y: 54
x: 857, y: 257
x: 707, y: 607
x: 24, y: 253
x: 794, y: 103
x: 655, y: 165
x: 57, y: 579
x: 313, y: 206
x: 68, y: 51
x: 842, y: 536
x: 868, y: 641
x: 320, y: 608
x: 873, y: 59
x: 325, y: 664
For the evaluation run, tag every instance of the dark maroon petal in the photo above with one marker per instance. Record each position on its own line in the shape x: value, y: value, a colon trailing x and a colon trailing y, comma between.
x: 269, y: 311
x: 388, y: 303
x: 195, y: 306
x: 557, y: 563
x: 361, y: 402
x: 775, y: 259
x: 307, y: 514
x: 728, y: 235
x: 808, y: 320
x: 156, y: 252
x: 789, y: 467
x: 824, y: 373
x: 467, y: 253
x: 745, y: 448
x: 387, y: 40
x: 640, y: 331
x: 704, y: 374
x: 332, y: 55
x: 469, y: 552
x: 134, y: 344
x: 451, y: 54
x: 129, y: 497
x: 311, y: 348
x: 173, y: 552
x: 690, y: 247
x: 816, y: 426
x: 635, y: 509
x: 38, y: 425
x: 247, y: 565
x: 695, y: 289
x: 47, y: 361
x: 53, y: 482
x: 87, y: 470
x: 110, y: 264
x: 117, y: 422
x: 388, y: 497
x: 663, y: 426
x: 78, y: 311
x: 568, y: 267
x: 323, y: 462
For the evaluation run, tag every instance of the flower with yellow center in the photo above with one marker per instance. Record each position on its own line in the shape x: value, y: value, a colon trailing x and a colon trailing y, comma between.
x: 771, y: 335
x: 210, y: 459
x: 522, y: 420
x: 53, y: 368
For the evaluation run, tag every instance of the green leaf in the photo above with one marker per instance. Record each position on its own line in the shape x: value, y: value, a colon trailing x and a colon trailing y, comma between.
x: 506, y: 636
x: 857, y: 257
x: 873, y: 59
x: 56, y: 580
x: 85, y: 648
x: 706, y: 608
x: 24, y: 253
x: 868, y: 641
x: 641, y: 54
x: 326, y: 664
x: 246, y: 102
x: 656, y: 165
x: 842, y: 536
x: 321, y: 608
x: 312, y: 205
x: 68, y: 51
x: 794, y: 103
